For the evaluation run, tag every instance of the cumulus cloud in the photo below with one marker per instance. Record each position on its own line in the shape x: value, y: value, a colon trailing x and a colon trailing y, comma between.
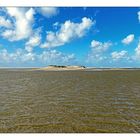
x: 138, y: 15
x: 28, y: 57
x: 48, y: 11
x: 56, y: 57
x: 137, y: 51
x: 23, y: 18
x: 48, y: 57
x: 94, y: 58
x: 56, y: 25
x: 4, y: 55
x: 119, y: 55
x: 97, y: 51
x: 18, y: 56
x: 128, y: 39
x: 100, y: 46
x: 33, y: 41
x: 5, y: 22
x: 67, y: 32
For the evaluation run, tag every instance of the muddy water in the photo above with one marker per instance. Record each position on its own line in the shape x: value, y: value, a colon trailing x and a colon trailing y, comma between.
x: 69, y: 101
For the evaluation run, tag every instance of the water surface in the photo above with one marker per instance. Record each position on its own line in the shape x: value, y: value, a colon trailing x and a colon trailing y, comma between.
x: 69, y: 101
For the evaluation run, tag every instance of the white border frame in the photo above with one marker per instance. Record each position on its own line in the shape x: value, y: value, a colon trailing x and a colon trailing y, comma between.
x: 73, y: 3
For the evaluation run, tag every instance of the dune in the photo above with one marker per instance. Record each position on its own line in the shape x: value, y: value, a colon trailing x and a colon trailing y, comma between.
x: 61, y: 68
x: 65, y: 68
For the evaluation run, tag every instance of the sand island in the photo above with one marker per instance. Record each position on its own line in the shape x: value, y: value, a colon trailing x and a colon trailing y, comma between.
x: 77, y: 67
x: 61, y: 68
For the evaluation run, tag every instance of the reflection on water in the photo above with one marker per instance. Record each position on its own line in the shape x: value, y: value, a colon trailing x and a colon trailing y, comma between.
x: 69, y: 101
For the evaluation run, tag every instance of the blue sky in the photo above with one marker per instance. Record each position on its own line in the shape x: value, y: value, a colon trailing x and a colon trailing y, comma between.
x: 41, y: 36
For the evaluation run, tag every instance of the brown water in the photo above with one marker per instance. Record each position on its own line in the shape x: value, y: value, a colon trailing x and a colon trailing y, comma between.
x: 69, y: 101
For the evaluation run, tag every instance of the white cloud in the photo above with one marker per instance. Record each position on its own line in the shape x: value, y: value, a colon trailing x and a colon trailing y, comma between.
x: 4, y: 55
x: 68, y: 31
x: 94, y: 58
x: 97, y: 52
x: 56, y: 57
x: 119, y: 55
x: 48, y: 11
x: 138, y: 16
x: 56, y: 25
x: 23, y: 18
x: 20, y: 57
x: 137, y: 51
x: 128, y: 39
x: 28, y: 57
x: 100, y: 47
x: 5, y: 22
x: 33, y: 41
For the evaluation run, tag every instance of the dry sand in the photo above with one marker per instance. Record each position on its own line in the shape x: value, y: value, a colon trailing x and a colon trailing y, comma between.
x: 55, y: 68
x: 73, y: 68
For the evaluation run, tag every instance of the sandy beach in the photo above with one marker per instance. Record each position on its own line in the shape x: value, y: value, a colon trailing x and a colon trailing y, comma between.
x: 61, y: 68
x: 76, y: 67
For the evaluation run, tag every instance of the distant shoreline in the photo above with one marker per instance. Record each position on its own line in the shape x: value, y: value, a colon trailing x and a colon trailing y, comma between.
x: 68, y: 68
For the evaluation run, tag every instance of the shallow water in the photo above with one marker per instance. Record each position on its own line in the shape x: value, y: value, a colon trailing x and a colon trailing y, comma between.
x: 69, y: 101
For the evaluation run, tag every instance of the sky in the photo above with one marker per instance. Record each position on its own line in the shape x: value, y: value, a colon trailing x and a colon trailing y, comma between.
x: 89, y: 36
